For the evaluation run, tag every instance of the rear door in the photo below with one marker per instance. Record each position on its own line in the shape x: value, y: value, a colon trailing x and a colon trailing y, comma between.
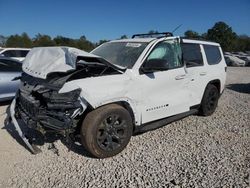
x: 8, y: 71
x: 196, y: 69
x: 216, y: 66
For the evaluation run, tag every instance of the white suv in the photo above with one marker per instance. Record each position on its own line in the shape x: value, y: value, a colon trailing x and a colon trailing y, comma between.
x: 122, y: 87
x: 15, y: 53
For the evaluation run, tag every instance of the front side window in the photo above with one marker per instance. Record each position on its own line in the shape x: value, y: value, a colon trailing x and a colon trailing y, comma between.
x: 191, y: 54
x: 213, y: 54
x: 169, y: 51
x: 123, y: 54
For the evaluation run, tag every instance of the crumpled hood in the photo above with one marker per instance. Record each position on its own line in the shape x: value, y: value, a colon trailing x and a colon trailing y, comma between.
x: 43, y: 60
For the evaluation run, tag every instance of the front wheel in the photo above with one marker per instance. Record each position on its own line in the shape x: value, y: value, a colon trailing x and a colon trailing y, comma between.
x: 107, y: 130
x: 209, y: 101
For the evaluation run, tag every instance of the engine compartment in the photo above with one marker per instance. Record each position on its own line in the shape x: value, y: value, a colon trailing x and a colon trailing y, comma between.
x: 42, y: 107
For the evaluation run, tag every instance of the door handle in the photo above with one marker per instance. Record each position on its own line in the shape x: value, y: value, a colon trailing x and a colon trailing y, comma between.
x: 203, y: 73
x: 180, y: 77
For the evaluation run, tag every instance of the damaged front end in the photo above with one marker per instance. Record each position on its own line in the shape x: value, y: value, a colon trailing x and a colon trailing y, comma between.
x: 43, y: 108
x: 39, y: 105
x: 38, y: 102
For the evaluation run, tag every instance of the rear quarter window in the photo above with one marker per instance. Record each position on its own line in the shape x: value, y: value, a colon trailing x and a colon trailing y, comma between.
x: 213, y: 54
x: 24, y: 53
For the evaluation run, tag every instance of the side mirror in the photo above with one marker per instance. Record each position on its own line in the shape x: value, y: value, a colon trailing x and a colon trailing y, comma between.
x: 153, y: 65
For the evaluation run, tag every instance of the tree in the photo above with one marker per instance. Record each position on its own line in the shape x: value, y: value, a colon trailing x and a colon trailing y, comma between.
x: 81, y: 43
x: 27, y: 42
x: 22, y: 41
x: 190, y: 34
x: 3, y: 40
x: 84, y: 44
x: 124, y: 37
x: 153, y: 32
x: 222, y: 34
x: 101, y: 42
x: 43, y: 40
x: 64, y: 41
x: 242, y: 43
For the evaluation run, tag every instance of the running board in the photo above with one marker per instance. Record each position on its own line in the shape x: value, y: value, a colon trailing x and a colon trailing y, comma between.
x: 159, y: 123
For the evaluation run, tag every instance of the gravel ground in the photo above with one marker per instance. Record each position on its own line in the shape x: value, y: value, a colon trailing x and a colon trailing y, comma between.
x: 194, y: 152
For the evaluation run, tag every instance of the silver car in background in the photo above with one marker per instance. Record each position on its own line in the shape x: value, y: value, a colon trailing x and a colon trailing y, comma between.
x: 9, y: 70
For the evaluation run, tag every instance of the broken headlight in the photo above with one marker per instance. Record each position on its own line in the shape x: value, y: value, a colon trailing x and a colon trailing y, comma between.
x: 62, y: 101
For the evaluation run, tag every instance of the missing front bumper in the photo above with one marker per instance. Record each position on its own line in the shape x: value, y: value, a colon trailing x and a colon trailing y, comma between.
x: 34, y: 149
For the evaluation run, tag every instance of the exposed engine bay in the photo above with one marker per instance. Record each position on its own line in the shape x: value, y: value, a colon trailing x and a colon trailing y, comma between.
x: 42, y: 107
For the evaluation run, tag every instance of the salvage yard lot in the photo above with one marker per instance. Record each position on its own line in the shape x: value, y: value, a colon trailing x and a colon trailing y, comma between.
x: 196, y: 151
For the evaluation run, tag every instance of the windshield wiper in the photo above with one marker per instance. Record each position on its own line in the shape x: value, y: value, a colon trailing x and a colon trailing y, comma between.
x: 117, y: 67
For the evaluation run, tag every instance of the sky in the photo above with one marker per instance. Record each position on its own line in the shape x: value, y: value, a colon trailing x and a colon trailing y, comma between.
x: 110, y: 19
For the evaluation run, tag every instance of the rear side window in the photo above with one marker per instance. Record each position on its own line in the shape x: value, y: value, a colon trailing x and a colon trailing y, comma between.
x: 192, y: 54
x: 213, y: 54
x: 10, y: 66
x: 24, y: 53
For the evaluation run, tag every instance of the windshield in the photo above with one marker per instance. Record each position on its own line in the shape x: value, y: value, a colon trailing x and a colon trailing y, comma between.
x: 122, y: 54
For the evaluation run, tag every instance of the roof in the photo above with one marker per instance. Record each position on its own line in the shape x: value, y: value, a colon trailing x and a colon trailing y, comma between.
x: 151, y: 39
x: 15, y: 48
x: 134, y: 40
x: 194, y: 41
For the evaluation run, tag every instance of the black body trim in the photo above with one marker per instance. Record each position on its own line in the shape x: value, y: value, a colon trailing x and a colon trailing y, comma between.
x: 165, y: 34
x: 159, y: 123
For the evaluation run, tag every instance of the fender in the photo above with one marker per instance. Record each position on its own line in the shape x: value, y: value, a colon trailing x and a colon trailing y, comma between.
x: 94, y: 103
x: 125, y: 102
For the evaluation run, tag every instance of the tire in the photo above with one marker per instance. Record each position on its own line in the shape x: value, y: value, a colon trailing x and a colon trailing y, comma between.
x: 209, y: 101
x: 106, y: 131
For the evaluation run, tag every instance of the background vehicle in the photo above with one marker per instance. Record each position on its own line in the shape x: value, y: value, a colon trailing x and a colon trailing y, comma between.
x: 120, y: 88
x: 9, y: 69
x: 234, y: 61
x: 15, y: 53
x: 246, y: 59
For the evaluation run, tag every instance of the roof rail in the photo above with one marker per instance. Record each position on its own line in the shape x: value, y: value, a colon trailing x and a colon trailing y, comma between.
x: 144, y: 35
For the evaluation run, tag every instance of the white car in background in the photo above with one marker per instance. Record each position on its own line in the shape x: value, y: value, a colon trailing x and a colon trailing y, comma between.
x: 243, y: 56
x: 15, y: 53
x: 232, y: 60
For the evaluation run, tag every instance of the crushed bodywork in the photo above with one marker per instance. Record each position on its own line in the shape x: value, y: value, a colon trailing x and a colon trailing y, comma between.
x: 38, y: 102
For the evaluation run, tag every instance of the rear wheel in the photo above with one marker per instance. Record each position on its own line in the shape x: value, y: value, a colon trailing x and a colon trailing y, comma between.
x: 106, y: 131
x: 209, y: 101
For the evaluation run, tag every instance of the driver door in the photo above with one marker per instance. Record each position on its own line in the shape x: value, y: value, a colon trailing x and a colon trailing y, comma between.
x: 164, y: 92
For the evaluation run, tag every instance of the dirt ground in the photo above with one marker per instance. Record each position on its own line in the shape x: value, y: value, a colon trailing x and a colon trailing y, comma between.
x: 194, y: 152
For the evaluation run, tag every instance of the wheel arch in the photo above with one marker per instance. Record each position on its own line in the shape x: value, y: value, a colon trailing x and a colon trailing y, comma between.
x: 216, y: 83
x: 125, y: 103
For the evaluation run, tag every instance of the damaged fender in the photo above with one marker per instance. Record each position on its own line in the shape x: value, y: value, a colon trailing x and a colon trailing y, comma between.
x: 108, y: 89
